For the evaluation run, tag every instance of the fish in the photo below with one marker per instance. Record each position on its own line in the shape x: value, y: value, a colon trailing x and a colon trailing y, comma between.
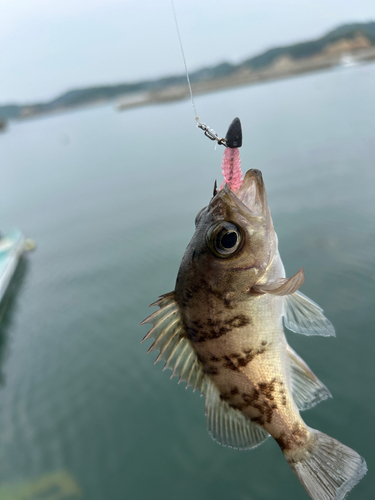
x: 221, y: 331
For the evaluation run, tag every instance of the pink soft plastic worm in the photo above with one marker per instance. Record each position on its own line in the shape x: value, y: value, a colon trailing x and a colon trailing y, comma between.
x: 231, y: 168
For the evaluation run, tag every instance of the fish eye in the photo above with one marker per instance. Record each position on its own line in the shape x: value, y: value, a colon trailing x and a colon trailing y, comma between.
x: 198, y: 215
x: 224, y: 239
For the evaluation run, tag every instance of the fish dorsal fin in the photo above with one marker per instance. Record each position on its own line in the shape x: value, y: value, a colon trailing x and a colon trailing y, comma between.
x: 228, y: 426
x: 176, y: 349
x: 307, y: 389
x: 302, y: 315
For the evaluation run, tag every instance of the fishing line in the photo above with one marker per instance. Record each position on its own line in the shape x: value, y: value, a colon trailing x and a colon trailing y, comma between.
x: 208, y: 132
x: 183, y: 57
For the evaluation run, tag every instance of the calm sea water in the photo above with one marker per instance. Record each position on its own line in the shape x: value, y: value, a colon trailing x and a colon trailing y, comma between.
x: 110, y: 199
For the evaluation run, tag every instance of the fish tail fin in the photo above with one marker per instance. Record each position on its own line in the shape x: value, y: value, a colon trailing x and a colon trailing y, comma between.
x: 327, y: 468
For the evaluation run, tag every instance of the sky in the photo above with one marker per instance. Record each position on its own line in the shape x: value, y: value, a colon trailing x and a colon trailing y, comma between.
x: 48, y: 47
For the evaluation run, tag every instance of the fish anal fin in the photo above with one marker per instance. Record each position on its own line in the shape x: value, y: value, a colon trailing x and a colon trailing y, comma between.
x: 302, y: 315
x: 307, y: 389
x: 229, y: 426
x: 174, y: 346
x: 281, y: 286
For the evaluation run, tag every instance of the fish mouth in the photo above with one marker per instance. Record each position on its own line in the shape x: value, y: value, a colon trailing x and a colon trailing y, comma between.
x: 251, y: 193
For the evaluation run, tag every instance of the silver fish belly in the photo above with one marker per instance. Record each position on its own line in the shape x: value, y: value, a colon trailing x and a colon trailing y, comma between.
x: 222, y: 332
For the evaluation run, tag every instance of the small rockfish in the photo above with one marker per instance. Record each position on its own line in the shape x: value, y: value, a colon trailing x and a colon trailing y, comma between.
x: 222, y: 331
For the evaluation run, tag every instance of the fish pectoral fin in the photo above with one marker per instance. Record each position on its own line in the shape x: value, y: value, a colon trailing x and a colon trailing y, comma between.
x: 307, y: 389
x: 229, y: 426
x: 281, y: 286
x: 174, y: 346
x: 302, y: 315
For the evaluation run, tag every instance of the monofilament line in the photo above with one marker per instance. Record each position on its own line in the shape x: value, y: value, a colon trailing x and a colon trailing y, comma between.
x: 208, y: 132
x: 183, y: 56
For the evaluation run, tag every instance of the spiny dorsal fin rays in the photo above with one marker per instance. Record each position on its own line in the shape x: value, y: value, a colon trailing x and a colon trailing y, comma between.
x: 160, y: 320
x: 282, y: 286
x: 161, y: 312
x: 163, y: 299
x: 168, y: 342
x: 174, y: 356
x: 307, y: 389
x: 302, y: 315
x: 163, y: 334
x: 186, y: 364
x: 174, y: 346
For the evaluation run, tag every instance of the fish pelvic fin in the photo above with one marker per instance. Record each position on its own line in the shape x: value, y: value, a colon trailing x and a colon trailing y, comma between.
x: 302, y: 315
x: 229, y: 426
x: 327, y: 468
x: 281, y: 286
x: 174, y: 346
x: 307, y: 389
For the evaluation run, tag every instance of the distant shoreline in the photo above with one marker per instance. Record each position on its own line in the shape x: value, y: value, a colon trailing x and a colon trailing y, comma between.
x: 283, y: 69
x: 344, y: 46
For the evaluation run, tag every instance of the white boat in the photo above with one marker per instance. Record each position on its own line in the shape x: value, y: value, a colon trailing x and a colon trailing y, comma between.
x: 12, y: 246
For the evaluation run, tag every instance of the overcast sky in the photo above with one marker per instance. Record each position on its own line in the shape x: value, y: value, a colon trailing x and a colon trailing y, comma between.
x: 50, y: 46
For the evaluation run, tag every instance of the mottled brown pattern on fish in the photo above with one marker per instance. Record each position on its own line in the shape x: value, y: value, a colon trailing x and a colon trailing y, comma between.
x: 186, y: 297
x: 252, y: 400
x: 258, y: 420
x: 227, y: 303
x: 201, y: 358
x: 292, y: 439
x: 208, y: 368
x: 211, y: 370
x: 260, y: 398
x: 229, y: 364
x: 225, y: 397
x: 214, y: 359
x: 268, y: 388
x: 238, y: 321
x: 249, y: 399
x: 189, y: 292
x: 200, y: 331
x: 265, y: 409
x: 225, y: 300
x: 282, y: 392
x: 236, y: 361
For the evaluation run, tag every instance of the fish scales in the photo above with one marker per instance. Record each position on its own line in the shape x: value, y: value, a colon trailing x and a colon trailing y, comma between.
x: 222, y: 331
x: 242, y: 347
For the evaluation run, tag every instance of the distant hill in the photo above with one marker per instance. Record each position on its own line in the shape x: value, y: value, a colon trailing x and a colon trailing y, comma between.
x: 275, y: 62
x: 314, y: 47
